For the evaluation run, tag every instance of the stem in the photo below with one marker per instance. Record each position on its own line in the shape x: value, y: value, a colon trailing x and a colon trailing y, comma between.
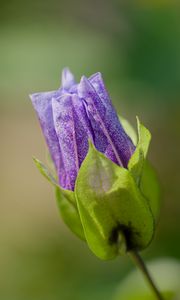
x: 142, y: 267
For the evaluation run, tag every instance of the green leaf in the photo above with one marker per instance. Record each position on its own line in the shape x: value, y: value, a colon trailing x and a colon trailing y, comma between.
x: 136, y: 161
x: 45, y: 172
x: 66, y: 202
x: 109, y: 201
x: 68, y: 209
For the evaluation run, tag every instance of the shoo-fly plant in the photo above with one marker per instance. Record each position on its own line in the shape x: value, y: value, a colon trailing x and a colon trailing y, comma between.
x: 106, y: 190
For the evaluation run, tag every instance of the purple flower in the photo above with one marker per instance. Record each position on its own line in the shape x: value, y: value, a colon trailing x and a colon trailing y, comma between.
x: 75, y: 113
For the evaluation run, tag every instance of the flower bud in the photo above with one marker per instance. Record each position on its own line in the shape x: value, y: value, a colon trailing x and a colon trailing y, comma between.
x: 102, y: 187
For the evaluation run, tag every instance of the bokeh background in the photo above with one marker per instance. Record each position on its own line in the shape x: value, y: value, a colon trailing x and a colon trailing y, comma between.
x: 136, y: 46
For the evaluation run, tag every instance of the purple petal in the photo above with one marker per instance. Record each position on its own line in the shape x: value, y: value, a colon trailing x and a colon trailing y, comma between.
x: 109, y: 136
x: 97, y: 82
x: 72, y: 129
x: 42, y: 103
x: 67, y: 79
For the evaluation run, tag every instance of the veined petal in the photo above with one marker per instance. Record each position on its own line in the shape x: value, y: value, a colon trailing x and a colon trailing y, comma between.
x: 71, y: 125
x: 67, y: 79
x: 97, y: 82
x: 42, y: 103
x: 110, y: 137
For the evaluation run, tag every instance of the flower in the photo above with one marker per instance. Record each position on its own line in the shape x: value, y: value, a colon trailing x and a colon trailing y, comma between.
x: 72, y: 115
x: 104, y: 192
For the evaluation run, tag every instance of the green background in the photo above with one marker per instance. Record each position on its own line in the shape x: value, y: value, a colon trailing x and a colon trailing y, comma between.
x: 136, y: 46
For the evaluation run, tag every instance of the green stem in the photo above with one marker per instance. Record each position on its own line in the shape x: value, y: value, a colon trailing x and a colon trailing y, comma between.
x: 142, y: 267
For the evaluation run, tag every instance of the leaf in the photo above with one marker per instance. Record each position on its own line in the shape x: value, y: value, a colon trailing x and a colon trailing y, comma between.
x: 109, y: 201
x: 66, y: 202
x: 136, y: 161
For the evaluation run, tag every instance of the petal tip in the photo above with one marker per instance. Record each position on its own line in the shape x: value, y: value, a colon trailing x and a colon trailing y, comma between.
x: 84, y: 86
x: 33, y: 97
x: 67, y: 78
x: 96, y: 75
x: 83, y: 79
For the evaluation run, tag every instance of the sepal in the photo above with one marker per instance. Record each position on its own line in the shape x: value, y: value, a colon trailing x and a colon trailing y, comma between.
x: 150, y: 188
x: 66, y: 202
x: 68, y: 209
x: 109, y: 201
x: 137, y: 160
x: 143, y: 172
x: 129, y: 129
x: 45, y: 171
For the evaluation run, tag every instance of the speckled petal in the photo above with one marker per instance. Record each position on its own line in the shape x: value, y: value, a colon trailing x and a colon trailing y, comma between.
x: 42, y: 103
x: 97, y: 82
x: 72, y: 129
x: 109, y: 136
x: 67, y: 79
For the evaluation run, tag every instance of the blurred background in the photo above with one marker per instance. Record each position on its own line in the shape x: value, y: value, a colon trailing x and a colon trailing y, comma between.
x: 136, y: 46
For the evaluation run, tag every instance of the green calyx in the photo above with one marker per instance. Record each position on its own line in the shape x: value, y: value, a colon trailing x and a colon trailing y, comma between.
x: 114, y: 209
x: 114, y: 201
x: 109, y: 202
